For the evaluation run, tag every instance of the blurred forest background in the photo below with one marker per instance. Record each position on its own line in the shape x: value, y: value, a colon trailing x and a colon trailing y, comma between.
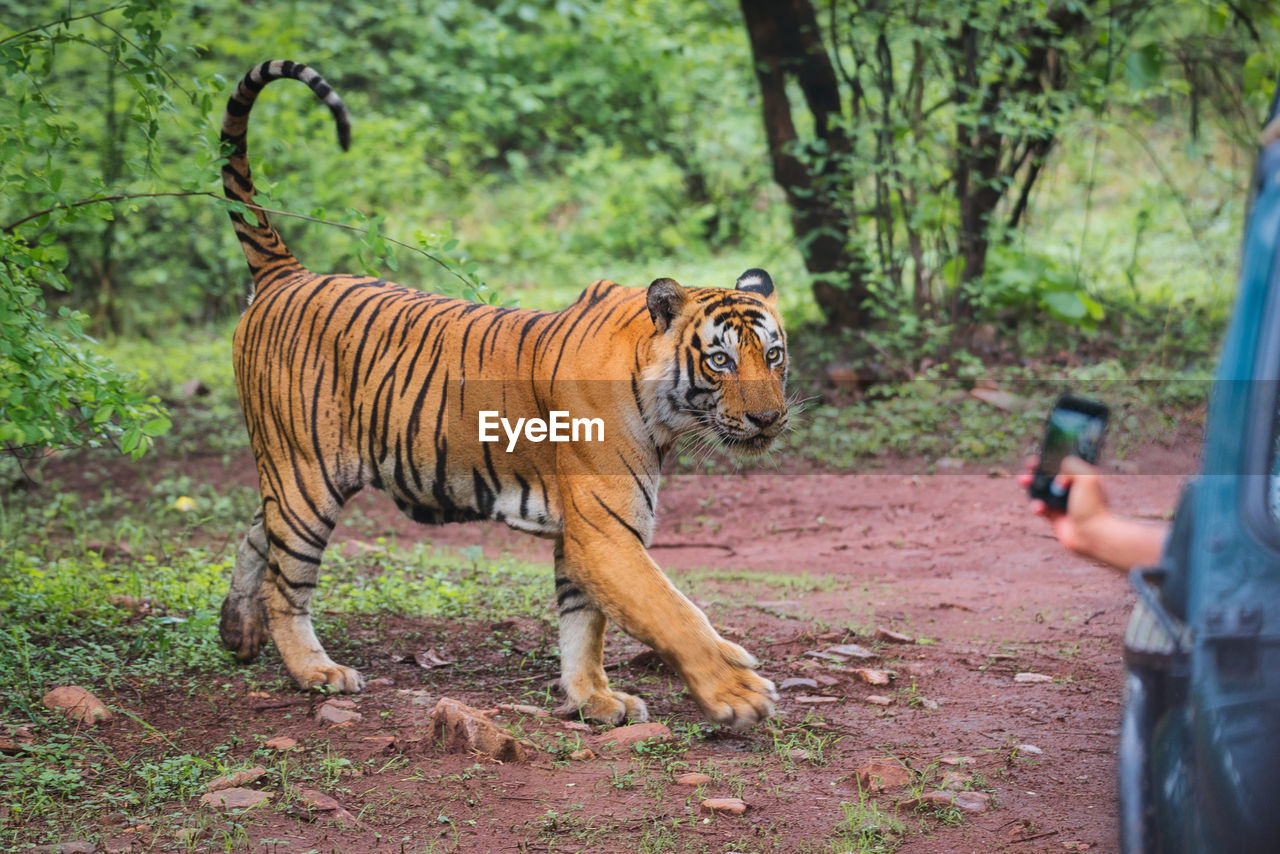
x: 944, y: 191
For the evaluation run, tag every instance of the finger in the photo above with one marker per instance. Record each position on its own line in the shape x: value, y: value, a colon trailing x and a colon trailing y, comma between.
x: 1031, y: 462
x: 1075, y: 465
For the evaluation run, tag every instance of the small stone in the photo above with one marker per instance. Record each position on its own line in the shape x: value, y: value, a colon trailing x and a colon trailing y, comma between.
x: 872, y: 677
x: 239, y: 778
x: 72, y: 846
x: 9, y: 746
x: 576, y: 726
x: 799, y: 754
x: 382, y: 682
x: 890, y: 636
x: 954, y: 760
x: 973, y: 801
x: 78, y: 704
x: 381, y: 743
x: 929, y: 705
x: 281, y: 742
x: 1031, y: 678
x: 825, y: 656
x: 879, y: 700
x: 815, y: 700
x: 335, y: 715
x: 320, y: 802
x: 341, y: 703
x: 731, y: 806
x: 797, y: 682
x: 627, y: 736
x: 852, y: 650
x: 1030, y: 749
x: 954, y: 781
x: 235, y: 799
x: 693, y: 778
x: 462, y: 729
x: 430, y: 659
x: 880, y: 774
x: 825, y: 681
x: 949, y: 464
x: 584, y: 754
x: 258, y: 695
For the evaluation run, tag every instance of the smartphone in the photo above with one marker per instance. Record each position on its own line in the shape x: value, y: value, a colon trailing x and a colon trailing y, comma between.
x: 1073, y: 429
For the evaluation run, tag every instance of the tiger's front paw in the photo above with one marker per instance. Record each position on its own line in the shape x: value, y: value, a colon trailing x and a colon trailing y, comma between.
x: 606, y: 707
x: 327, y: 676
x: 728, y: 689
x: 242, y: 626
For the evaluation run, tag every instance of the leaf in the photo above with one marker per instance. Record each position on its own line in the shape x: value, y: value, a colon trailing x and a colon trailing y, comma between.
x: 1065, y: 305
x: 1144, y: 66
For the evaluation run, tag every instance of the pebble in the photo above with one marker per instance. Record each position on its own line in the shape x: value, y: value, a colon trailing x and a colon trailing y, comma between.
x: 239, y: 778
x: 816, y: 700
x: 584, y: 754
x: 880, y: 774
x: 693, y: 778
x: 872, y: 677
x: 732, y: 806
x: 281, y: 742
x: 78, y: 704
x: 335, y: 714
x: 797, y: 682
x: 627, y: 736
x: 1030, y: 749
x: 890, y: 636
x: 235, y: 799
x: 852, y: 650
x: 1031, y: 678
x: 879, y: 700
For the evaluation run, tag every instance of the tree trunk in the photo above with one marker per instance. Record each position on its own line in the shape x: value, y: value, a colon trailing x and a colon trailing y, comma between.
x: 786, y: 41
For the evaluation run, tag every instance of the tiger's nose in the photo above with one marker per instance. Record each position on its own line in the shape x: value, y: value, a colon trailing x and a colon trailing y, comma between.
x: 763, y: 419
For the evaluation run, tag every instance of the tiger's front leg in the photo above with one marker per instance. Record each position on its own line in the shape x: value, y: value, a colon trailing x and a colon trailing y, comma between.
x: 582, y: 676
x: 605, y: 558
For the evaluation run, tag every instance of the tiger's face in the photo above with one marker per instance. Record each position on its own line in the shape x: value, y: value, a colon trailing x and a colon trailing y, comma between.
x: 725, y: 371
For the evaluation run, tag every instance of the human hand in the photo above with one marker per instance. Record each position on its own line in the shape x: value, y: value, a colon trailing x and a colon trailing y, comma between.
x: 1082, y: 527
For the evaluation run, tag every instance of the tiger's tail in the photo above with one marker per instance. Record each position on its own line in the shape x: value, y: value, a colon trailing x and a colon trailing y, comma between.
x: 269, y: 259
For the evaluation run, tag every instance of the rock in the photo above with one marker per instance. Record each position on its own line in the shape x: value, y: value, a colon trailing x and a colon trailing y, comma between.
x: 797, y: 682
x: 955, y: 760
x: 954, y: 781
x: 825, y: 656
x: 430, y: 659
x: 320, y: 802
x: 814, y: 700
x: 78, y: 704
x: 852, y: 650
x: 1031, y: 678
x: 872, y: 677
x: 973, y: 801
x: 239, y: 778
x: 890, y: 636
x: 584, y: 754
x: 8, y: 746
x: 693, y: 778
x: 927, y: 704
x: 1030, y: 749
x: 338, y: 713
x: 524, y: 710
x: 731, y: 806
x: 577, y: 726
x: 627, y: 736
x: 825, y: 680
x: 458, y: 728
x: 879, y: 700
x: 71, y: 846
x: 235, y: 799
x: 341, y: 703
x: 949, y: 464
x: 281, y: 742
x: 381, y: 743
x: 381, y: 682
x: 880, y: 774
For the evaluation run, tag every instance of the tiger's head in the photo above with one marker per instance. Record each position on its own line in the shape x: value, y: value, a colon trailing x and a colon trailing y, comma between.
x: 721, y: 361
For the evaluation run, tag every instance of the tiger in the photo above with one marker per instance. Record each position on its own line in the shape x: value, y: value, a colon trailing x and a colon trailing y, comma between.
x: 350, y: 381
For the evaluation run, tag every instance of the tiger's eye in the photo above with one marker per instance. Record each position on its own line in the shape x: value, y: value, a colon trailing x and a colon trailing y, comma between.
x: 774, y: 354
x: 719, y: 360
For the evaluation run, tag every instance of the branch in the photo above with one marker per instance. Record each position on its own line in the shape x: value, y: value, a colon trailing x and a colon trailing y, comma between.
x: 63, y: 21
x: 8, y: 229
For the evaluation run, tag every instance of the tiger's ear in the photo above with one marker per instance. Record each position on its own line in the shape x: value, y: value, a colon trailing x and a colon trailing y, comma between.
x: 758, y: 282
x: 665, y: 300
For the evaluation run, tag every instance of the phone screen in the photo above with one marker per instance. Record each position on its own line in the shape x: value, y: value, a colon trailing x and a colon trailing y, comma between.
x: 1075, y: 428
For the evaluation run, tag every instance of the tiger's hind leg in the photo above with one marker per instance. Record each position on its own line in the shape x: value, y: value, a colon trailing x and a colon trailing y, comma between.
x: 243, y: 623
x: 582, y: 676
x: 298, y: 529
